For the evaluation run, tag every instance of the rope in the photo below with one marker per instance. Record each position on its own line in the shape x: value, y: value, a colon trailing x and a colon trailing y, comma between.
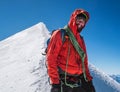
x: 78, y: 48
x: 80, y: 52
x: 67, y: 60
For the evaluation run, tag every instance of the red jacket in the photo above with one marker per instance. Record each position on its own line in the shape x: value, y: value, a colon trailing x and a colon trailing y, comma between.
x: 57, y: 53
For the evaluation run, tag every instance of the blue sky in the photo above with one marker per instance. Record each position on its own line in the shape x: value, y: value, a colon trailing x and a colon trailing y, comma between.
x: 101, y: 33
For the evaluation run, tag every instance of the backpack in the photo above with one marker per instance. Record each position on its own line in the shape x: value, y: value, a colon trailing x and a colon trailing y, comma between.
x: 63, y: 34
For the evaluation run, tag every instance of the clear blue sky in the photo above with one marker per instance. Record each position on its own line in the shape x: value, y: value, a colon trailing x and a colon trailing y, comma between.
x: 101, y: 34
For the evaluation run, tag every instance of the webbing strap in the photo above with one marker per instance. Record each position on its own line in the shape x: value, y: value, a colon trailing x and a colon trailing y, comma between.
x: 77, y: 47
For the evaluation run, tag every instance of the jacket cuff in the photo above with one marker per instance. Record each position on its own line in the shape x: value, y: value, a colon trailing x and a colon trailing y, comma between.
x: 54, y: 81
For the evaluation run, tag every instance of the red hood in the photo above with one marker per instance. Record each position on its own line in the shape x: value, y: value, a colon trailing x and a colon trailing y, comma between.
x: 72, y: 24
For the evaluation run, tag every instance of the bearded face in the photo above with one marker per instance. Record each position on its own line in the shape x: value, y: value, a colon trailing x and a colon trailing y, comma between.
x: 80, y: 22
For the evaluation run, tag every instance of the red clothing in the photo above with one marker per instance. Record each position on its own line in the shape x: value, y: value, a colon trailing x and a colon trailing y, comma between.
x: 57, y: 54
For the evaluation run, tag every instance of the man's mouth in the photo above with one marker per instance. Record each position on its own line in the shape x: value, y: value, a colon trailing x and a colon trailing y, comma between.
x: 80, y: 26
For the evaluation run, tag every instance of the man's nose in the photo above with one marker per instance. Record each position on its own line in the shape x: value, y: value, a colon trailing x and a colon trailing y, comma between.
x: 81, y: 22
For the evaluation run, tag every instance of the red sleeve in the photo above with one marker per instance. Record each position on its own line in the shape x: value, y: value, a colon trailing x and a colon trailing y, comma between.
x: 52, y: 53
x: 89, y: 77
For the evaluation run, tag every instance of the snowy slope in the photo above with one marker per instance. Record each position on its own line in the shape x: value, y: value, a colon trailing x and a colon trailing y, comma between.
x: 102, y: 81
x: 116, y: 77
x: 22, y: 65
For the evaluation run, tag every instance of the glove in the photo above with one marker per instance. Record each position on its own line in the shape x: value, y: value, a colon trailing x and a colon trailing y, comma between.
x: 56, y: 88
x: 91, y: 87
x: 88, y: 86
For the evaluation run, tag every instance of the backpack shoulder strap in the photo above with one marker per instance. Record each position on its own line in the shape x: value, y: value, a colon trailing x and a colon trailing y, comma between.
x: 63, y: 34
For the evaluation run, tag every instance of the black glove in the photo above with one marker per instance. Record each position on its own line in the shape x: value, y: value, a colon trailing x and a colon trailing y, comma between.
x: 91, y: 87
x: 56, y: 88
x: 88, y: 86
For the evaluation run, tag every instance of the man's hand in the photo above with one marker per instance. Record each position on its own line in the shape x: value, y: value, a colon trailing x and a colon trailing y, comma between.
x: 56, y: 88
x: 88, y: 86
x: 91, y: 87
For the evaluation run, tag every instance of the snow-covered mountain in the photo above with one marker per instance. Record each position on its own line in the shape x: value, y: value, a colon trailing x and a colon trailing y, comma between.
x: 116, y: 77
x: 22, y: 65
x: 103, y: 82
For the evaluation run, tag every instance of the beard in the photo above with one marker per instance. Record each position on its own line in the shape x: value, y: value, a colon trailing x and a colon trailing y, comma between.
x: 79, y: 28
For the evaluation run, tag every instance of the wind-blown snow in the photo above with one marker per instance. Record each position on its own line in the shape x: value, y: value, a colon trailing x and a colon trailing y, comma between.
x: 116, y: 77
x: 22, y: 65
x: 102, y: 81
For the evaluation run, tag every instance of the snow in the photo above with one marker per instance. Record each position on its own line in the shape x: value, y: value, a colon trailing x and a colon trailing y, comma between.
x: 116, y: 77
x: 22, y: 65
x: 102, y: 81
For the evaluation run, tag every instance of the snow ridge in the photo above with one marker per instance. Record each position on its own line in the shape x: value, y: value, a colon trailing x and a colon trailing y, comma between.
x: 116, y: 77
x: 20, y: 61
x: 102, y: 81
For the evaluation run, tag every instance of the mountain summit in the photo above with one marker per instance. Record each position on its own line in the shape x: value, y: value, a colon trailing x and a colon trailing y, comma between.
x: 22, y: 65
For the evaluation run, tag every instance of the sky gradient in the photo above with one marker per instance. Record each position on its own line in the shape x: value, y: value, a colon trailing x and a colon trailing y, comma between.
x: 101, y: 33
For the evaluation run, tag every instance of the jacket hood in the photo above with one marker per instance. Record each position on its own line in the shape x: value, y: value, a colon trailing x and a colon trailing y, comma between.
x: 72, y: 23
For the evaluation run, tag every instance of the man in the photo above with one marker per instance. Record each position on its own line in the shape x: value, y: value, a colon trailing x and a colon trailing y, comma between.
x: 67, y: 61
